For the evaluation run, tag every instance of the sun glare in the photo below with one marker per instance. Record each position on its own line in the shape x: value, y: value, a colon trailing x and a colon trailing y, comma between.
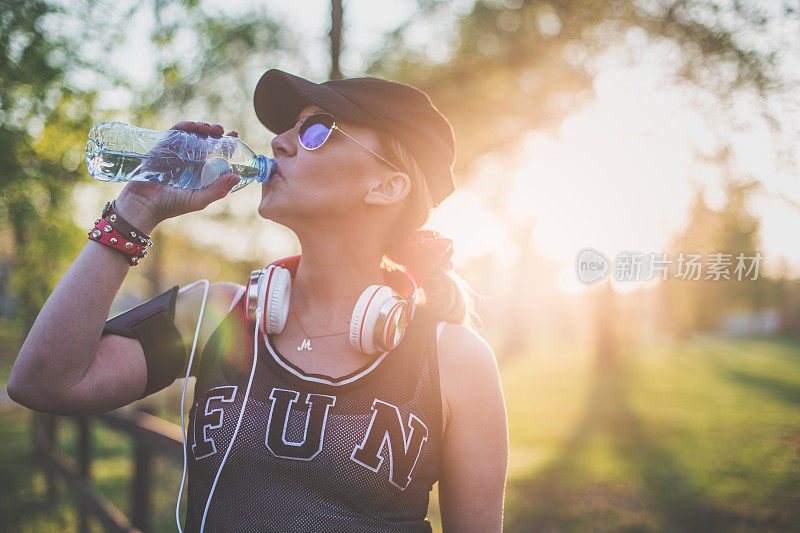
x: 617, y: 176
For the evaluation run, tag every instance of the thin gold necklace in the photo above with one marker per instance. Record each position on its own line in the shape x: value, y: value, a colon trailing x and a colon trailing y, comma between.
x: 306, y: 343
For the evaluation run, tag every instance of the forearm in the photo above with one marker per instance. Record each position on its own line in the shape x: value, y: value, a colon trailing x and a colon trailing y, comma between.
x: 64, y: 338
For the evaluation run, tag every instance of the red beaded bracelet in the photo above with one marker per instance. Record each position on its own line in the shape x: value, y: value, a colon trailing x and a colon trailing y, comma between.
x: 105, y: 233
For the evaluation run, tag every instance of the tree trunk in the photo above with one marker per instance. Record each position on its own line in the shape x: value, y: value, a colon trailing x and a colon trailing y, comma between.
x: 336, y: 38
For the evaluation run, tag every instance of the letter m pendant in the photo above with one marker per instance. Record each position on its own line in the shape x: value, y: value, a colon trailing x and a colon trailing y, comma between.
x: 305, y: 345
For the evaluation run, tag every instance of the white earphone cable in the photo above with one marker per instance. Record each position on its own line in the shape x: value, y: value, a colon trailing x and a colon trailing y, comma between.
x: 259, y: 312
x: 183, y: 394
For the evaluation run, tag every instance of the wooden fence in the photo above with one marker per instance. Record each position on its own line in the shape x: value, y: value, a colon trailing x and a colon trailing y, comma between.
x: 152, y: 436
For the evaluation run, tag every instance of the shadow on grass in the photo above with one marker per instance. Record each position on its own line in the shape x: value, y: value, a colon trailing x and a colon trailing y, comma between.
x: 774, y: 388
x: 559, y: 497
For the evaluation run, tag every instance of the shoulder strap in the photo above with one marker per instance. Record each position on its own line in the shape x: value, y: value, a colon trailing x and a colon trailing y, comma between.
x: 439, y: 328
x: 236, y: 298
x: 214, y: 353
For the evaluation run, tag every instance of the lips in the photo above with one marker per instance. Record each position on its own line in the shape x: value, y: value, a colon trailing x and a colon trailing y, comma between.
x: 266, y: 186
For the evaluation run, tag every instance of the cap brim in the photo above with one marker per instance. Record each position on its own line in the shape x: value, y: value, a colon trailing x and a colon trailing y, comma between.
x: 279, y: 97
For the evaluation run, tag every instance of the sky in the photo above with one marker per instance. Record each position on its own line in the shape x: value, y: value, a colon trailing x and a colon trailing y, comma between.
x: 617, y: 175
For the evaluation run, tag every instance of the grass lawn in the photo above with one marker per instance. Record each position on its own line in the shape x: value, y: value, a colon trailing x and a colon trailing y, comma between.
x: 701, y: 435
x: 695, y: 436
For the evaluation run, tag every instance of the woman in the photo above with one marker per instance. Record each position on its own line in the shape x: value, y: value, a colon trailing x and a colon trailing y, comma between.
x: 362, y: 163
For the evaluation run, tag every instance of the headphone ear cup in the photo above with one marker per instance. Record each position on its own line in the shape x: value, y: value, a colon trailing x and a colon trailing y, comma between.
x: 275, y: 287
x: 365, y: 317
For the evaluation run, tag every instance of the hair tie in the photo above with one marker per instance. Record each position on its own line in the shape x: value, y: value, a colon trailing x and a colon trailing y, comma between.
x: 422, y: 252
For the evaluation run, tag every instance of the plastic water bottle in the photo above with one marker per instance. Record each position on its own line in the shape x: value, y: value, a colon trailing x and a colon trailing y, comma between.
x: 119, y: 152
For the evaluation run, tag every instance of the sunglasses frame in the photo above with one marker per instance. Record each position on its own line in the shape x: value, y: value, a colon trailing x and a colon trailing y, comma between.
x: 302, y: 121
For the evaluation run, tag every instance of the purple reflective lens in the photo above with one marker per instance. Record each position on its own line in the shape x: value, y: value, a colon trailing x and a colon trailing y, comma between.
x: 314, y: 136
x: 315, y: 130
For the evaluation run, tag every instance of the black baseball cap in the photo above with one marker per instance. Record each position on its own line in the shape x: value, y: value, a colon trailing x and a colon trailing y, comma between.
x: 402, y: 110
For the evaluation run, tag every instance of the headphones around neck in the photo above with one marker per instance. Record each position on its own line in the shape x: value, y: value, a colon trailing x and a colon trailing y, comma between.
x: 379, y: 319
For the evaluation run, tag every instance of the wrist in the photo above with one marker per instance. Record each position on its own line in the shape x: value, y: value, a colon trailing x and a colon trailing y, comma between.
x: 105, y: 233
x: 137, y: 213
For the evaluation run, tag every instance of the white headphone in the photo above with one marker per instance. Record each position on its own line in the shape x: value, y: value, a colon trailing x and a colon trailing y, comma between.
x: 379, y: 319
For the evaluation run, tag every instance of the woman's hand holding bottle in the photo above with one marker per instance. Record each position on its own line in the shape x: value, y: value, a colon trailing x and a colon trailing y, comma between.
x: 146, y: 203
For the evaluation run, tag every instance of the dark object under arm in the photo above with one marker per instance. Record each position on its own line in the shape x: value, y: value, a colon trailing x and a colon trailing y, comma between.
x: 152, y: 324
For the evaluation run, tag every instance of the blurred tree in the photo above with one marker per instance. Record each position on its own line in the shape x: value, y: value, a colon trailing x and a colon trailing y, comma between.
x: 213, y: 78
x: 517, y: 65
x: 509, y: 66
x: 336, y: 38
x: 43, y: 125
x: 605, y: 317
x: 788, y: 302
x: 702, y: 304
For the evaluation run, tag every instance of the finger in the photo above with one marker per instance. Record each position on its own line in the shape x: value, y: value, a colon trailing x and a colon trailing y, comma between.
x: 217, y: 130
x: 203, y: 128
x: 185, y: 125
x: 228, y: 176
x: 224, y: 184
x: 232, y: 134
x: 202, y: 198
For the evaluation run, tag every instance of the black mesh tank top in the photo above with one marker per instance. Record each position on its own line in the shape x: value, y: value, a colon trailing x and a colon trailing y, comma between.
x: 313, y: 453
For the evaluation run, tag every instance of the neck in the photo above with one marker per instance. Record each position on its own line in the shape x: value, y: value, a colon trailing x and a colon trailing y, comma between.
x: 330, y: 277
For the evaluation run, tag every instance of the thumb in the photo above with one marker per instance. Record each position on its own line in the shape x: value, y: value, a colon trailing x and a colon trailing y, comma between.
x: 216, y: 190
x: 226, y: 182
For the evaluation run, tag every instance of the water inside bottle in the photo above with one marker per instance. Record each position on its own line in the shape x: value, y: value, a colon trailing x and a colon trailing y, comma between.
x: 173, y: 170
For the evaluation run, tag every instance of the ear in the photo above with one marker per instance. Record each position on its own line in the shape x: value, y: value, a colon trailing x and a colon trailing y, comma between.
x: 387, y: 189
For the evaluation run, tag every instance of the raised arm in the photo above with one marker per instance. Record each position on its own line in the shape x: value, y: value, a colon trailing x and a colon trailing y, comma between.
x: 63, y: 343
x: 63, y: 347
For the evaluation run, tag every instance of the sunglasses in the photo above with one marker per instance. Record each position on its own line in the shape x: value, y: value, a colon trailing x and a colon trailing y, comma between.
x: 316, y: 129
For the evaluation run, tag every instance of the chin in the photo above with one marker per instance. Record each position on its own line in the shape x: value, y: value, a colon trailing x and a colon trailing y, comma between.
x: 269, y: 211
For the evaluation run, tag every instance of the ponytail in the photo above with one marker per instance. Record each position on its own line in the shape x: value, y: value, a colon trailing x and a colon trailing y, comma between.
x: 425, y: 253
x: 450, y: 298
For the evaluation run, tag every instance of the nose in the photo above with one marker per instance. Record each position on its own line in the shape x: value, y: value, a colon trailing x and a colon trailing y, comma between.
x: 283, y: 145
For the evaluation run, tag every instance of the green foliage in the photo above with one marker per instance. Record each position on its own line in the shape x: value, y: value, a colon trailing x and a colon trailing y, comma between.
x: 515, y: 66
x: 44, y: 116
x: 41, y: 136
x: 213, y: 76
x: 519, y: 65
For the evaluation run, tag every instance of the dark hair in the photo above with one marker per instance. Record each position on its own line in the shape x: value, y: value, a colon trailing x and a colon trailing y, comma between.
x: 447, y: 295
